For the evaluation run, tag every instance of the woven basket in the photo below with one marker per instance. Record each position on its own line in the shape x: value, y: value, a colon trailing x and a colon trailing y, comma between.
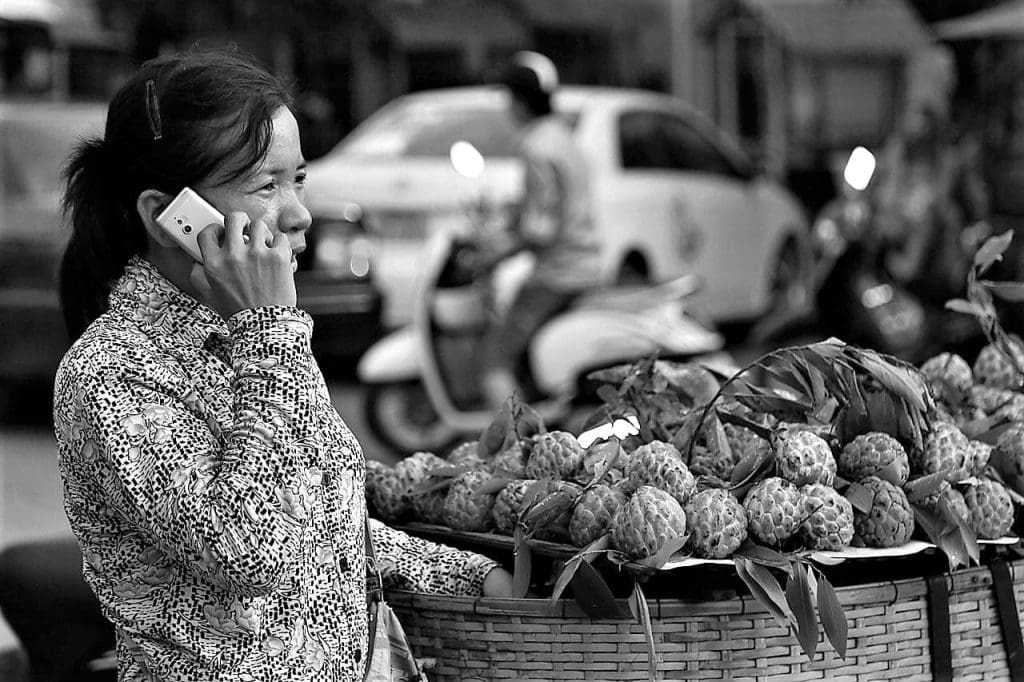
x: 734, y: 639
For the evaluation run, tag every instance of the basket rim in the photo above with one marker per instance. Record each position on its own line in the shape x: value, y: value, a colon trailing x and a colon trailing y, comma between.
x: 890, y: 591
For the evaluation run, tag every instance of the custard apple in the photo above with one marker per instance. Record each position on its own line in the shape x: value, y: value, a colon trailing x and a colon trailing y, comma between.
x: 890, y: 521
x: 874, y: 454
x: 828, y: 518
x: 555, y: 454
x: 717, y: 523
x: 464, y: 509
x: 660, y: 465
x: 774, y: 509
x: 649, y: 519
x: 804, y: 457
x: 594, y: 512
x: 991, y: 509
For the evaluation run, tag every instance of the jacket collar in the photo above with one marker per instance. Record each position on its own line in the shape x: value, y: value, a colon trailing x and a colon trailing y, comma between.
x: 176, y: 323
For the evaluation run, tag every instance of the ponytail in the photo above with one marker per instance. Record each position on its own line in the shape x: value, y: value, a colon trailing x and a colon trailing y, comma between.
x: 104, y: 234
x: 181, y: 120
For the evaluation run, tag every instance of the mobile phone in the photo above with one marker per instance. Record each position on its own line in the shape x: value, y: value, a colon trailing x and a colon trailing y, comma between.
x: 185, y: 217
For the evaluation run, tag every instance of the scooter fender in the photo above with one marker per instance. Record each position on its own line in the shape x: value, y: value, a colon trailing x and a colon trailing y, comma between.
x: 394, y: 358
x: 581, y: 340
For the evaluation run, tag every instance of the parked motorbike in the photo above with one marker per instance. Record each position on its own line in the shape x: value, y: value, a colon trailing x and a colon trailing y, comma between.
x: 422, y: 388
x: 856, y: 297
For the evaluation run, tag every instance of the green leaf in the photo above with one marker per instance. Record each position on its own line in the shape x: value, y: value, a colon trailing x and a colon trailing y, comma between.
x: 967, y: 535
x: 1008, y: 291
x: 528, y: 422
x: 903, y: 381
x: 492, y: 486
x: 449, y: 471
x: 922, y: 487
x: 737, y: 420
x: 565, y: 576
x: 638, y: 603
x: 523, y: 565
x: 944, y: 534
x: 665, y: 552
x: 492, y: 439
x: 587, y: 554
x: 765, y: 556
x: 833, y: 617
x: 548, y: 509
x: 992, y: 250
x: 764, y: 587
x: 610, y: 452
x: 959, y: 305
x: 429, y: 485
x: 860, y: 497
x: 593, y: 595
x: 798, y: 596
x: 783, y: 408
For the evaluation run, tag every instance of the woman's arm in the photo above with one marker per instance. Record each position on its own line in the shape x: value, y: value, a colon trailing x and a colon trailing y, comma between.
x: 229, y: 503
x: 418, y: 565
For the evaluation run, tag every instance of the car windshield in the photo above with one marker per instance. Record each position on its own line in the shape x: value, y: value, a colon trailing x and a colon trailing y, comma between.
x: 421, y: 128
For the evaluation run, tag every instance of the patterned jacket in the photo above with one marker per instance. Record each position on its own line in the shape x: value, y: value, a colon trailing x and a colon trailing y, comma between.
x: 217, y: 494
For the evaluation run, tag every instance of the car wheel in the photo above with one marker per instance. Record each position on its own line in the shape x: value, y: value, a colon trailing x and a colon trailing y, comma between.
x: 401, y: 416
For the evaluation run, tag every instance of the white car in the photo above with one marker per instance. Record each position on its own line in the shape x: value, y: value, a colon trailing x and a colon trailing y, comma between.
x: 672, y: 194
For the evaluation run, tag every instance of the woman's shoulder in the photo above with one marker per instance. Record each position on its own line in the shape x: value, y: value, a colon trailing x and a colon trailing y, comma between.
x: 107, y: 347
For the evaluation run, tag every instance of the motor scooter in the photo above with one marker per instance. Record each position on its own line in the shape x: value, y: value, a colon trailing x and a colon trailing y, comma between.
x: 856, y: 297
x: 422, y: 381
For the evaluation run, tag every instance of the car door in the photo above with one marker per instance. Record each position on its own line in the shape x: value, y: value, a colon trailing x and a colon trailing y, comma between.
x: 694, y: 209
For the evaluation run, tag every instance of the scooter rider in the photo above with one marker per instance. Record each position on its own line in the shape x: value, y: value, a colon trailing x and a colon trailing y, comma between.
x: 553, y: 221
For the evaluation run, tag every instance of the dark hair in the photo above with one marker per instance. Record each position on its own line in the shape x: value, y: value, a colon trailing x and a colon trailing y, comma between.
x: 200, y: 116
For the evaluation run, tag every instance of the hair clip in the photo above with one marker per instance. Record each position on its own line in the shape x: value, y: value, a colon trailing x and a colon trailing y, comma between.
x: 153, y: 110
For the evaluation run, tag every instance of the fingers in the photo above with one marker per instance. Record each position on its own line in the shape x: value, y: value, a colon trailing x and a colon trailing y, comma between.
x: 209, y: 240
x: 235, y: 225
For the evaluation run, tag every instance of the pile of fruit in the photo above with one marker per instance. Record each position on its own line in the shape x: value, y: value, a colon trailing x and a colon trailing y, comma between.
x: 744, y: 473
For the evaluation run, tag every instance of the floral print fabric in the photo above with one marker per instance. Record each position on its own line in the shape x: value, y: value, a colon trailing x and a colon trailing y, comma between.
x: 217, y: 494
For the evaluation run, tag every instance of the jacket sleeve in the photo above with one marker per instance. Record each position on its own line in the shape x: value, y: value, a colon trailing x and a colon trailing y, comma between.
x: 227, y: 503
x: 417, y: 565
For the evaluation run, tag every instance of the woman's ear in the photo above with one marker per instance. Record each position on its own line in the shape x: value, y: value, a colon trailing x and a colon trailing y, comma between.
x: 149, y: 205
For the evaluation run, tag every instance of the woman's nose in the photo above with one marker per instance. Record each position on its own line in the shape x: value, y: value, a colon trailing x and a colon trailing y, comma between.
x: 296, y: 217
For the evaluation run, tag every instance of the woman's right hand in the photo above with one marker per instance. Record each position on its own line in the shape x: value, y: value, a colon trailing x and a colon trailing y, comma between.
x: 242, y: 271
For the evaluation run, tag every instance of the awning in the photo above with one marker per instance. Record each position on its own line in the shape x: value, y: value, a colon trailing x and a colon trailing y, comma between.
x: 1004, y: 22
x: 443, y: 22
x: 865, y: 27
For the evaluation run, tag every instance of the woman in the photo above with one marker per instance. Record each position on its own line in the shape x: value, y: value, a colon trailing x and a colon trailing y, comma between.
x: 215, y: 492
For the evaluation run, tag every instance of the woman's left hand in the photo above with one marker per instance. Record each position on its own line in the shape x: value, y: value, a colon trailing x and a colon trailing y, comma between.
x: 498, y: 583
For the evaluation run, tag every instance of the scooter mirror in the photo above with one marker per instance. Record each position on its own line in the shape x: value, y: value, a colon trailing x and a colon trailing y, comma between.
x: 859, y: 168
x: 466, y: 159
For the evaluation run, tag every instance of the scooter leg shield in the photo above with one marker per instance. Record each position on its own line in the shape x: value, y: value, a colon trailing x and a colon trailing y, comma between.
x: 392, y: 359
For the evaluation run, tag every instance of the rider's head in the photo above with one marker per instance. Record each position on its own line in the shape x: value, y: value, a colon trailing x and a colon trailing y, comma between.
x: 531, y: 79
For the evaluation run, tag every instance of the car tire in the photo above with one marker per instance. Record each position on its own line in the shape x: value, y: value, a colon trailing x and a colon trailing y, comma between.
x: 401, y: 417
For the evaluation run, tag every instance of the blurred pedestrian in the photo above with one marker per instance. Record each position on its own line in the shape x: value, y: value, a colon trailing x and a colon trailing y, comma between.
x: 216, y: 493
x: 553, y: 221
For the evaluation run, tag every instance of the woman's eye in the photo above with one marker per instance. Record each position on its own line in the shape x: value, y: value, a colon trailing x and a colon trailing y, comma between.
x: 300, y: 179
x: 268, y: 187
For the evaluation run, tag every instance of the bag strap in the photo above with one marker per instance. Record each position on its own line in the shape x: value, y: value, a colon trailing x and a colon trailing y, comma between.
x: 1009, y: 619
x: 938, y: 628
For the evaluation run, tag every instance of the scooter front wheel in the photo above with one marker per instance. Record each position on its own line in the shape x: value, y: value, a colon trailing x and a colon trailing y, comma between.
x: 400, y: 416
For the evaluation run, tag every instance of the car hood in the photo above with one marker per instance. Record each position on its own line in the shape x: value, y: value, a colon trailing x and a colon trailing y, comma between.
x: 400, y: 184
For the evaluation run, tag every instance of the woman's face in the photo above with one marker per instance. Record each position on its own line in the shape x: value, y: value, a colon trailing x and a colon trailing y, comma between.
x: 274, y: 191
